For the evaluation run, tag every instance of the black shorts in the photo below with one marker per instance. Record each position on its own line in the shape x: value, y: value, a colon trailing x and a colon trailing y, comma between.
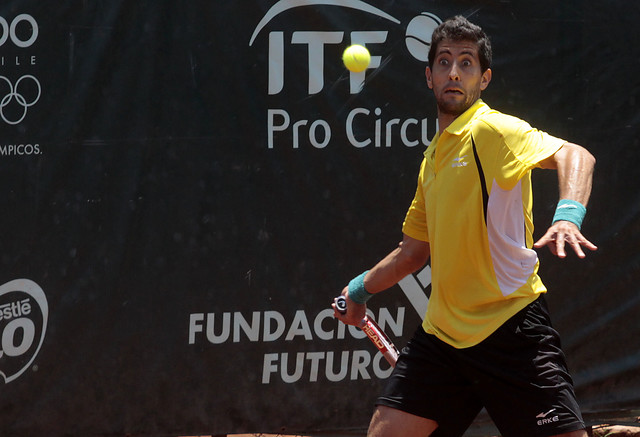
x: 518, y: 374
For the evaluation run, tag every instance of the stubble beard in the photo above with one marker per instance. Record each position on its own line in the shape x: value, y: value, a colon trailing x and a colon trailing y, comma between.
x: 456, y: 108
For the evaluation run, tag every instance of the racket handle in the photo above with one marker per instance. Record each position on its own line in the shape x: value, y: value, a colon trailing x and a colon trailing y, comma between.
x: 341, y: 304
x: 374, y: 332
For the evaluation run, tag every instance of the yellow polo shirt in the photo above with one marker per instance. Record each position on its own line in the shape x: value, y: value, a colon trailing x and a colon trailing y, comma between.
x: 473, y: 205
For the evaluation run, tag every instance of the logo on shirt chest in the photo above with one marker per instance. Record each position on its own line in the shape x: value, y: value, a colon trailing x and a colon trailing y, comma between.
x: 460, y: 162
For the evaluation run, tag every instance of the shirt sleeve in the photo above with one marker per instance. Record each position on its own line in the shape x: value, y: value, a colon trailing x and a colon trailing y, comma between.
x: 521, y: 148
x: 415, y: 222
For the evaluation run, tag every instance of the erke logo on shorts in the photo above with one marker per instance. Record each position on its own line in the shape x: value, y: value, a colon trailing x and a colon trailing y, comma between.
x: 544, y: 420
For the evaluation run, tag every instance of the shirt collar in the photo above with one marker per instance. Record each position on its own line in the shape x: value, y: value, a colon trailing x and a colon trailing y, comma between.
x: 459, y: 124
x: 457, y: 127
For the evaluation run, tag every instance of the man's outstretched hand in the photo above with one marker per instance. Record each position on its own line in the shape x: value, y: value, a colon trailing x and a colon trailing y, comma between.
x: 561, y: 234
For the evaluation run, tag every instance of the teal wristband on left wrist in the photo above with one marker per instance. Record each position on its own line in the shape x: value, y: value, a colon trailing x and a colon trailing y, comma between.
x: 571, y: 211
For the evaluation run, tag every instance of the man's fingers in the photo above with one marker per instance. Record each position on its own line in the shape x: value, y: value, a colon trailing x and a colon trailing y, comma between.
x: 577, y: 248
x: 588, y: 244
x: 584, y: 243
x: 352, y: 313
x: 558, y: 238
x: 552, y: 248
x: 547, y: 238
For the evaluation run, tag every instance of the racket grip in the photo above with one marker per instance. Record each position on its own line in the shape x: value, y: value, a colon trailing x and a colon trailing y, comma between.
x: 341, y: 307
x: 374, y: 332
x: 341, y: 304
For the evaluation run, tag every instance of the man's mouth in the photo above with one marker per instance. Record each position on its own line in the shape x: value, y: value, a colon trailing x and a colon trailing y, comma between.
x: 453, y: 91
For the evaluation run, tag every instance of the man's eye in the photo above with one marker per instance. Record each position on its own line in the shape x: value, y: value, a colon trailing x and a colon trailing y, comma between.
x: 443, y: 62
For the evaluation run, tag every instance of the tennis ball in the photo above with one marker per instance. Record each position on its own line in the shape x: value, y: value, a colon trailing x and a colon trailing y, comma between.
x: 356, y: 58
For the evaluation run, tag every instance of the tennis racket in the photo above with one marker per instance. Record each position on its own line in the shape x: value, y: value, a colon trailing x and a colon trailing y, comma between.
x: 373, y: 331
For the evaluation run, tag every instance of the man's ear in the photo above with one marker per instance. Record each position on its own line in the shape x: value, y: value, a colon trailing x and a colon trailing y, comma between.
x: 427, y: 74
x: 486, y: 78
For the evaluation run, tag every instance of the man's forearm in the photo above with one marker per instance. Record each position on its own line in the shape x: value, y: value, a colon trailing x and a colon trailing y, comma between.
x: 575, y: 173
x: 410, y: 255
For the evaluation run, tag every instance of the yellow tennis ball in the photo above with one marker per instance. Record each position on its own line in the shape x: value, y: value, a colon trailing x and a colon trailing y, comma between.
x: 356, y: 58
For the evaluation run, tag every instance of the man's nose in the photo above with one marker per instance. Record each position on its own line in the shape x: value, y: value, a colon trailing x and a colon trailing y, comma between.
x: 453, y: 72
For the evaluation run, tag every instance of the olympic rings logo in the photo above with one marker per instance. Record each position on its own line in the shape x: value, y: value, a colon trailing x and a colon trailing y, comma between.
x: 9, y: 30
x: 14, y: 93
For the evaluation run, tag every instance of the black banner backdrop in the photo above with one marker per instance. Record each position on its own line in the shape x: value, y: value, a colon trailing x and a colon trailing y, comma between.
x: 186, y: 185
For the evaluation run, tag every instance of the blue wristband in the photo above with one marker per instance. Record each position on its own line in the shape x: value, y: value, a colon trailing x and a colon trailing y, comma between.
x: 357, y: 292
x: 571, y: 211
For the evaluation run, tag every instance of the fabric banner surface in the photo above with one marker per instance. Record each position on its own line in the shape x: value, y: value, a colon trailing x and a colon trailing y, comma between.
x: 187, y: 185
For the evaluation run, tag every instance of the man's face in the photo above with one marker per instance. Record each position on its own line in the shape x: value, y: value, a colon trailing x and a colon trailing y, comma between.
x: 456, y: 77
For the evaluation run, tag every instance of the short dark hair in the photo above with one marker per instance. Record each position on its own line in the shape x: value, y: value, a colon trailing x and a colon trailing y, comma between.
x: 458, y: 28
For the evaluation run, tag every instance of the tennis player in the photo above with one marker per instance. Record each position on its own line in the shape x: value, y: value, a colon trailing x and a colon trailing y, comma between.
x: 486, y: 340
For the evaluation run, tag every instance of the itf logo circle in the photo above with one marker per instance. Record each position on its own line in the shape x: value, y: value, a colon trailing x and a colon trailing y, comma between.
x: 24, y: 313
x: 418, y: 36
